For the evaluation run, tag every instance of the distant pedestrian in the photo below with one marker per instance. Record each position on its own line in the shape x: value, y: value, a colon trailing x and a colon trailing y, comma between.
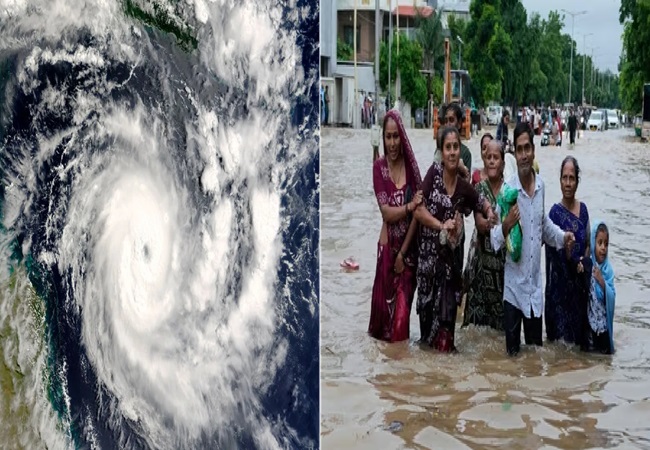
x: 573, y: 126
x: 327, y: 105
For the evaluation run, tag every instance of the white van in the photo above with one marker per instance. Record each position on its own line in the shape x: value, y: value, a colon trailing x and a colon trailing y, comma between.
x: 494, y: 113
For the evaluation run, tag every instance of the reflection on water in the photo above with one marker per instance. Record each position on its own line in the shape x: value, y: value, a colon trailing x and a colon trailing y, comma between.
x: 378, y: 395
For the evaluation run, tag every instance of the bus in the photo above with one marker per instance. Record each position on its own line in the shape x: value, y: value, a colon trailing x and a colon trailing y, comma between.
x: 461, y: 88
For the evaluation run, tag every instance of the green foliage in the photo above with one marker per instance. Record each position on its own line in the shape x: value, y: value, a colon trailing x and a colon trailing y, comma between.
x: 635, y: 64
x: 430, y: 37
x: 484, y: 42
x: 409, y: 61
x: 344, y: 51
x: 457, y: 29
x: 160, y: 18
x: 519, y: 59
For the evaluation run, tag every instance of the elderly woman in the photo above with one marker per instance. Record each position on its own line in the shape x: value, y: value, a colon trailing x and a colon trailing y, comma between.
x: 484, y: 301
x: 568, y: 273
x: 396, y: 179
x: 481, y: 174
x: 446, y: 195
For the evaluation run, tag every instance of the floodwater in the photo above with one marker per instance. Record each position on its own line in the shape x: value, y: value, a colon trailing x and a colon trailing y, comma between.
x: 394, y: 396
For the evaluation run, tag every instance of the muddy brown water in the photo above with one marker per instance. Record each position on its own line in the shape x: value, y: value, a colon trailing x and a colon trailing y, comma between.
x: 376, y: 395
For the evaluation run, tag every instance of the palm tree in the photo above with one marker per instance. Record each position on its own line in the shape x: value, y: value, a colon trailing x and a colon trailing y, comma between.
x: 430, y: 36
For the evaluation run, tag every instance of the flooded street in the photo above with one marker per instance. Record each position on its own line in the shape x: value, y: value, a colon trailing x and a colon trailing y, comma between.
x: 376, y: 395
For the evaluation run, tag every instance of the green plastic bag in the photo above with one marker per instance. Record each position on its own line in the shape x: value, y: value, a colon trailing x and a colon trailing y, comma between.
x: 506, y: 199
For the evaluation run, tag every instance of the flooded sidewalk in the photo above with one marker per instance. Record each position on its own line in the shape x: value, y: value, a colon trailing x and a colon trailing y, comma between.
x: 376, y: 395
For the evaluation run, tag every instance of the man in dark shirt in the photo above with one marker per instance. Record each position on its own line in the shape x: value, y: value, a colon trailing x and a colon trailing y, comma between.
x: 502, y: 129
x: 573, y: 126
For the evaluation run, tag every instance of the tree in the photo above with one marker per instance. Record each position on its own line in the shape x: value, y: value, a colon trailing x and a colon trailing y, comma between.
x: 344, y: 51
x: 409, y: 60
x: 517, y: 64
x: 486, y: 40
x: 635, y: 68
x: 430, y: 36
x: 457, y: 29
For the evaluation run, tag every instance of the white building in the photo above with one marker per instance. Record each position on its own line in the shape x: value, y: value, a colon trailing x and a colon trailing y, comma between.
x: 343, y: 77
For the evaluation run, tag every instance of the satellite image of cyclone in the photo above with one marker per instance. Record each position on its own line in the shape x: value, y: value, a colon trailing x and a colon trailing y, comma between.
x: 159, y: 198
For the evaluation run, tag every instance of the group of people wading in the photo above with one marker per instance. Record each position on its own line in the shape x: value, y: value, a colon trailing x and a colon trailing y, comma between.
x: 421, y: 249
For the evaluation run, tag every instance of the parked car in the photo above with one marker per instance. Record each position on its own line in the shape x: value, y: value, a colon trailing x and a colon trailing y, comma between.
x: 596, y: 121
x: 612, y: 119
x: 494, y: 114
x: 605, y: 118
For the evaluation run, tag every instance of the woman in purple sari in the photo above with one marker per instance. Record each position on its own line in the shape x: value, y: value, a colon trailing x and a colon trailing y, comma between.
x: 396, y: 180
x: 568, y: 273
x: 446, y: 196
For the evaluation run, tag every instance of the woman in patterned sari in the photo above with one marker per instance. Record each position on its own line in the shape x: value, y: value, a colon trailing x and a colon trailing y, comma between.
x: 568, y: 274
x: 446, y: 196
x: 484, y: 301
x: 396, y: 180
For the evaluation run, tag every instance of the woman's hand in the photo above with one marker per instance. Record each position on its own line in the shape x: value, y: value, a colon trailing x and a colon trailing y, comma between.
x: 399, y: 263
x: 417, y: 199
x: 448, y: 225
x: 598, y: 275
x: 491, y: 218
x: 580, y: 267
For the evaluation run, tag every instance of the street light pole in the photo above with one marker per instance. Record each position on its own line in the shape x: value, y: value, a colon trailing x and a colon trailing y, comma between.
x: 461, y: 44
x: 584, y: 57
x: 593, y: 70
x: 390, y: 50
x: 355, y: 120
x: 377, y: 41
x: 573, y: 16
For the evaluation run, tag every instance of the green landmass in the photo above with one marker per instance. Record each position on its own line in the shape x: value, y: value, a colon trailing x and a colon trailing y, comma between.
x: 161, y: 20
x: 17, y: 378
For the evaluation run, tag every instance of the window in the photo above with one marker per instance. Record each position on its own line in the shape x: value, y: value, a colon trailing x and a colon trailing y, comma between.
x: 348, y: 37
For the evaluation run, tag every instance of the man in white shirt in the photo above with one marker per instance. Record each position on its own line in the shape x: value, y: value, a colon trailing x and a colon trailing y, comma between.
x: 522, y: 293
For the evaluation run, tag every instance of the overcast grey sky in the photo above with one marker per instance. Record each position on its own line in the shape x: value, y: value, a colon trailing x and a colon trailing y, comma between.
x: 601, y: 19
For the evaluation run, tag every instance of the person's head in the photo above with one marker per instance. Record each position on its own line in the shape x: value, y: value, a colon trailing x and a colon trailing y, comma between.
x: 505, y: 117
x: 494, y: 160
x: 554, y: 114
x: 487, y: 137
x: 453, y: 115
x: 392, y: 136
x: 569, y: 177
x: 449, y: 144
x: 524, y: 149
x: 601, y: 243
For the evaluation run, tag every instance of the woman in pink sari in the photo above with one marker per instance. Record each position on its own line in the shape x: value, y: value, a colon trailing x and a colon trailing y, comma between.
x: 396, y: 179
